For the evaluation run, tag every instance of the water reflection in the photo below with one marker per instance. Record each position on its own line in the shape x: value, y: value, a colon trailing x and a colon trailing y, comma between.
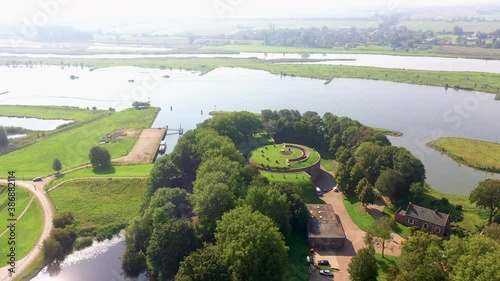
x: 32, y: 123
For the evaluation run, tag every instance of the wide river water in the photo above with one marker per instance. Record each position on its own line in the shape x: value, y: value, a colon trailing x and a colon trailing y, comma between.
x: 421, y: 113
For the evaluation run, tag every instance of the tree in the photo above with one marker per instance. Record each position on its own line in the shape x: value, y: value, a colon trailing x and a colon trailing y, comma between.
x: 4, y: 140
x: 365, y: 192
x: 487, y: 195
x: 273, y: 204
x: 252, y: 246
x: 63, y: 219
x: 363, y: 266
x: 100, y: 158
x: 52, y: 250
x: 381, y: 231
x: 389, y: 183
x: 56, y: 165
x: 169, y: 244
x: 204, y: 264
x: 164, y: 174
x: 457, y: 30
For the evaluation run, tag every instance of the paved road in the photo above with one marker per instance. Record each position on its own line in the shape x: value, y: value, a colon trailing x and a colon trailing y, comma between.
x: 48, y: 213
x: 354, y: 235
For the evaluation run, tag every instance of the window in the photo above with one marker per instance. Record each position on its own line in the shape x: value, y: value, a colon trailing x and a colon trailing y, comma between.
x: 410, y: 221
x: 426, y: 225
x: 437, y: 229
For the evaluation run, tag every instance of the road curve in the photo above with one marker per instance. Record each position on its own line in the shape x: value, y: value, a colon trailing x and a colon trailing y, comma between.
x: 48, y: 214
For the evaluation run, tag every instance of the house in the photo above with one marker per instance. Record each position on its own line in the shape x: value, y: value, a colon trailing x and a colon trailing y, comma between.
x: 426, y: 219
x: 324, y: 231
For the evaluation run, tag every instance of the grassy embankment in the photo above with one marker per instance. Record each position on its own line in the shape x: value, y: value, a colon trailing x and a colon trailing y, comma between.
x: 100, y: 206
x: 71, y: 147
x: 477, y: 154
x: 383, y: 264
x: 277, y: 160
x: 485, y: 82
x: 28, y: 227
x: 443, y: 51
x: 78, y: 115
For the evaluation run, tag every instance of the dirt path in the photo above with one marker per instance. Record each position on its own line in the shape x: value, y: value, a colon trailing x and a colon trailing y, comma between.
x: 48, y: 213
x: 145, y: 148
x: 354, y: 235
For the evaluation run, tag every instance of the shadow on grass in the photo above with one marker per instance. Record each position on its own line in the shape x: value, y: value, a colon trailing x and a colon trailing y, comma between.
x: 384, y: 263
x: 109, y: 171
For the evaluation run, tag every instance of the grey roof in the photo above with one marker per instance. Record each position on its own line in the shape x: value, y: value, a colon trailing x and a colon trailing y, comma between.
x: 323, y: 222
x: 428, y: 215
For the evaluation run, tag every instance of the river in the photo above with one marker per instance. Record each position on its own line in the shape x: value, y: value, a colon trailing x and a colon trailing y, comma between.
x: 421, y: 113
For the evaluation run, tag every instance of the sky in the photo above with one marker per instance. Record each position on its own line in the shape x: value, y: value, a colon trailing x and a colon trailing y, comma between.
x: 119, y: 10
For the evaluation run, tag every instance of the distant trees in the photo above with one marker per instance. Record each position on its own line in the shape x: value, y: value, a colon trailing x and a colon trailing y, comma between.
x: 487, y: 195
x: 141, y: 105
x: 56, y: 165
x: 4, y: 141
x: 251, y: 245
x: 238, y: 126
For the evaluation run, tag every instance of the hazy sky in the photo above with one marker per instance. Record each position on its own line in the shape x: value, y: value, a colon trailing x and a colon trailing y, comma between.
x: 66, y: 10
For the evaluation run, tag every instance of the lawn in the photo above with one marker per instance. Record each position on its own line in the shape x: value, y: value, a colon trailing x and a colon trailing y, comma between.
x: 140, y: 170
x: 99, y: 204
x: 51, y: 112
x: 28, y: 231
x: 301, y: 179
x: 297, y: 267
x: 383, y: 264
x: 481, y: 155
x: 329, y: 164
x: 272, y: 156
x: 23, y: 196
x: 359, y: 216
x: 485, y: 82
x: 72, y: 147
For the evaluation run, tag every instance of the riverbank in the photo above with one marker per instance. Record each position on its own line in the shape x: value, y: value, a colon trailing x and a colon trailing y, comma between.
x: 484, y: 82
x: 438, y: 51
x: 477, y: 154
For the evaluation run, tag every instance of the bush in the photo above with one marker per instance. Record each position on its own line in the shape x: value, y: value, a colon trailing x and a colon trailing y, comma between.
x: 459, y: 207
x: 83, y: 243
x: 100, y: 158
x: 63, y: 219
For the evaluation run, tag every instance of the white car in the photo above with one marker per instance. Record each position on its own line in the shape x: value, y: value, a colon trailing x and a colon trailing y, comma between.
x: 326, y: 272
x: 335, y: 189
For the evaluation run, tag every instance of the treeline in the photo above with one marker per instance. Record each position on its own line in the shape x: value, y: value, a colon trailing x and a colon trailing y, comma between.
x: 210, y: 216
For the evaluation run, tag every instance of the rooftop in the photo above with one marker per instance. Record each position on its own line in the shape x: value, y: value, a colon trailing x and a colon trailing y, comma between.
x: 428, y: 215
x: 323, y: 222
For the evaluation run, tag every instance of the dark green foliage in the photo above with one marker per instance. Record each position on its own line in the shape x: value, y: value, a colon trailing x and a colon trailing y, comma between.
x: 238, y: 126
x: 140, y: 104
x: 82, y: 243
x: 169, y: 244
x: 133, y: 263
x: 363, y: 266
x: 487, y: 195
x: 204, y: 264
x: 100, y: 158
x: 252, y: 246
x: 52, y: 250
x: 65, y: 237
x: 4, y: 141
x: 390, y: 183
x: 56, y: 165
x: 63, y: 219
x: 365, y: 192
x: 168, y: 203
x: 272, y: 203
x: 164, y: 174
x: 381, y: 231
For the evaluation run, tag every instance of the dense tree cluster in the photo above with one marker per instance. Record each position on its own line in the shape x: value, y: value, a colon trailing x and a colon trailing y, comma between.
x: 61, y: 239
x: 238, y: 126
x: 4, y: 141
x: 427, y: 257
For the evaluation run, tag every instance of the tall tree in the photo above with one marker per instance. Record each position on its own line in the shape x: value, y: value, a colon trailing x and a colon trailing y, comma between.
x: 365, y: 192
x: 204, y: 264
x: 164, y: 174
x: 363, y: 266
x: 381, y: 231
x: 389, y: 183
x: 56, y: 165
x: 100, y: 158
x: 251, y: 245
x: 169, y: 244
x: 487, y: 195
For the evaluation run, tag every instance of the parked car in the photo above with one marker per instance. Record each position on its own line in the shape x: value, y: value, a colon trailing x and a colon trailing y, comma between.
x: 37, y: 179
x: 335, y: 189
x: 320, y: 193
x: 323, y: 262
x: 326, y: 272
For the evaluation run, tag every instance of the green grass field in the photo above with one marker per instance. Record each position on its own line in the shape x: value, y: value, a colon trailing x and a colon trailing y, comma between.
x: 359, y: 216
x: 473, y: 153
x: 383, y: 264
x: 51, y: 112
x: 72, y: 147
x: 22, y: 198
x: 277, y: 159
x: 99, y: 204
x: 485, y: 82
x: 140, y: 170
x: 28, y: 230
x: 329, y: 164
